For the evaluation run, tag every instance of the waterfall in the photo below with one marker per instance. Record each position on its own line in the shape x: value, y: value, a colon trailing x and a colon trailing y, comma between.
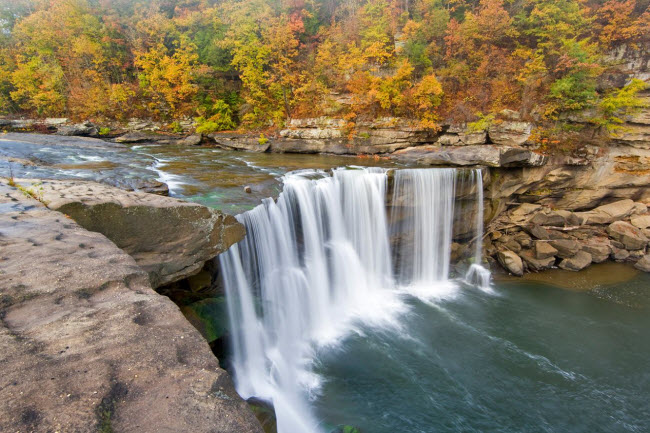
x: 325, y: 256
x: 478, y: 275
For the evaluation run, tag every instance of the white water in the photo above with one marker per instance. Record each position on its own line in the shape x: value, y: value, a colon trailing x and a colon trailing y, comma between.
x: 319, y: 261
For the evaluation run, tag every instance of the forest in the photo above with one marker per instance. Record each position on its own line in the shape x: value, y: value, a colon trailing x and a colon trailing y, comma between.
x: 255, y: 64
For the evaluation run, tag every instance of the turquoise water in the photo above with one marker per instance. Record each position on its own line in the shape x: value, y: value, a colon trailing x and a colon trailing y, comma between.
x: 528, y: 358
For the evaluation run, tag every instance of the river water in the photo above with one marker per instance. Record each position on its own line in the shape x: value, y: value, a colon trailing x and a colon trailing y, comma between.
x: 524, y: 356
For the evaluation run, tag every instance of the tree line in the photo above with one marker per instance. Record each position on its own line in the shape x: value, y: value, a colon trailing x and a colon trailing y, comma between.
x: 258, y: 63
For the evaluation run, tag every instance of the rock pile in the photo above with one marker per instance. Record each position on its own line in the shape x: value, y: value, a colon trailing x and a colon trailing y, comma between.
x: 531, y: 238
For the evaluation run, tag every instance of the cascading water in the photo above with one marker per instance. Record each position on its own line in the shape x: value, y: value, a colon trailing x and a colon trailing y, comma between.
x: 476, y: 274
x: 319, y: 260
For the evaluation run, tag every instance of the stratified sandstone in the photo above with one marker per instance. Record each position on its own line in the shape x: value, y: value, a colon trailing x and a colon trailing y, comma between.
x: 88, y: 345
x: 169, y: 238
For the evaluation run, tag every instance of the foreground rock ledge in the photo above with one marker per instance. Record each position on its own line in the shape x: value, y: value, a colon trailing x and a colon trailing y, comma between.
x: 169, y: 238
x: 87, y: 345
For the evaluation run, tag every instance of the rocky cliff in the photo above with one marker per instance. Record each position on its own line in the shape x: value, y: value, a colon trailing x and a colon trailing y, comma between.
x: 88, y: 345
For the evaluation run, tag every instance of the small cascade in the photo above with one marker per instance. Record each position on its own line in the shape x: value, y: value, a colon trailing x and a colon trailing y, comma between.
x: 478, y: 275
x: 327, y: 256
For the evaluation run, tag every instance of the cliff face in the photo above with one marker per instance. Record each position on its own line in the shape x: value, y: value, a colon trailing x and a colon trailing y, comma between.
x: 88, y: 345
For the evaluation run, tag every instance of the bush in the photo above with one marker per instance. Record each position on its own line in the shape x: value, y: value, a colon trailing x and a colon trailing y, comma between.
x: 217, y: 118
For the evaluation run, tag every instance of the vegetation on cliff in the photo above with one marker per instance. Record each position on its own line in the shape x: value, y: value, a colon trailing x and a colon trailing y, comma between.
x: 257, y: 63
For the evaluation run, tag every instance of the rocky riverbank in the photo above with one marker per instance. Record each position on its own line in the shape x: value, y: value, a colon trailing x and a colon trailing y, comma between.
x: 531, y: 238
x: 88, y: 345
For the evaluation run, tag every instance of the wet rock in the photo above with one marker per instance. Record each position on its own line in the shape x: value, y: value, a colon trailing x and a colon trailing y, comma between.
x: 565, y: 247
x: 630, y: 236
x: 578, y: 262
x: 535, y: 264
x: 150, y: 186
x: 169, y: 238
x: 190, y: 140
x: 543, y: 250
x: 511, y: 262
x: 509, y: 133
x: 640, y: 221
x: 644, y: 263
x: 209, y: 316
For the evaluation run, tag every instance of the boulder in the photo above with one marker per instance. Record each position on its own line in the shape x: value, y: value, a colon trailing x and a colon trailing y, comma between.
x: 565, y: 247
x: 169, y: 238
x: 240, y: 142
x: 512, y: 245
x: 620, y: 254
x: 509, y: 133
x: 81, y: 130
x: 523, y: 239
x: 600, y: 248
x: 190, y: 140
x: 630, y: 236
x: 535, y: 264
x: 608, y: 213
x: 538, y: 232
x: 639, y: 209
x: 640, y: 221
x: 578, y: 262
x: 89, y: 346
x: 511, y: 262
x: 543, y: 250
x: 549, y: 219
x: 644, y: 263
x: 636, y: 255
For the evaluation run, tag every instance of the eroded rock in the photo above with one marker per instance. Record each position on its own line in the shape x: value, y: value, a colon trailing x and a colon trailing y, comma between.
x: 543, y: 250
x: 630, y: 236
x: 535, y: 264
x: 88, y: 346
x: 644, y: 263
x: 565, y: 247
x: 578, y: 262
x: 168, y: 238
x: 511, y: 262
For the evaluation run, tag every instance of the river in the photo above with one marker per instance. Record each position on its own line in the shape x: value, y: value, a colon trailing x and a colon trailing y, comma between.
x: 524, y: 356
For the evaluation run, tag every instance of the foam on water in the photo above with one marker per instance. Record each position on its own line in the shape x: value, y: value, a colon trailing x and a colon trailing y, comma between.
x: 325, y: 260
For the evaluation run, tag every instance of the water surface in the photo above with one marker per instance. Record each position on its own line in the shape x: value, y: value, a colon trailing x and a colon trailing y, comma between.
x: 530, y: 357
